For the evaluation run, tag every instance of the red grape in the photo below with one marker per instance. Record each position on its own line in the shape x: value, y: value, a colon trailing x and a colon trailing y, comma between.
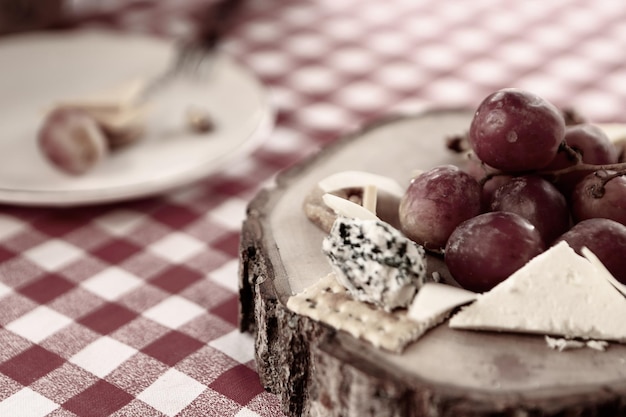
x: 538, y: 175
x: 514, y: 130
x: 536, y: 200
x: 436, y: 202
x: 485, y: 250
x: 600, y: 194
x: 72, y: 140
x: 588, y: 143
x: 481, y: 172
x: 592, y: 143
x: 620, y: 147
x: 605, y: 238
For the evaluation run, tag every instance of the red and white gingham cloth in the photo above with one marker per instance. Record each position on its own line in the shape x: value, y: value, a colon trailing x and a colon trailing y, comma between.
x: 130, y: 309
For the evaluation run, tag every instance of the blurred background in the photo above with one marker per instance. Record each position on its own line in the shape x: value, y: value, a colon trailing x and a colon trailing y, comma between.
x: 343, y: 62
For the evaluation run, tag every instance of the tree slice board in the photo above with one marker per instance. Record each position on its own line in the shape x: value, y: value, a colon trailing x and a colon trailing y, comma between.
x: 318, y: 371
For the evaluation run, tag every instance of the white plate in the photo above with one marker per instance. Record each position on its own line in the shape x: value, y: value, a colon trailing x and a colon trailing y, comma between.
x: 40, y: 69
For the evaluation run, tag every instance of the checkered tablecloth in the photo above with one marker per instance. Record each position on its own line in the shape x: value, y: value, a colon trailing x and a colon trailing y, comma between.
x: 131, y: 309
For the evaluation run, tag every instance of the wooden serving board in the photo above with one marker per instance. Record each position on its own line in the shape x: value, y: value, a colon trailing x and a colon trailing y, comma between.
x: 318, y: 371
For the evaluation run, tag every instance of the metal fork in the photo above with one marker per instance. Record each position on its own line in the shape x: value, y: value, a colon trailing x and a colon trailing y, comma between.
x: 194, y: 57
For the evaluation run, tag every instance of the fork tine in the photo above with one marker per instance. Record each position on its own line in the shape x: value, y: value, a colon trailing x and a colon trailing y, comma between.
x: 193, y: 55
x: 216, y: 21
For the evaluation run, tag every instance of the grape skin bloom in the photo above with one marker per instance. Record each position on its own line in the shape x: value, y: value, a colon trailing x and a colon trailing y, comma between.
x: 485, y: 250
x: 436, y: 202
x: 513, y: 130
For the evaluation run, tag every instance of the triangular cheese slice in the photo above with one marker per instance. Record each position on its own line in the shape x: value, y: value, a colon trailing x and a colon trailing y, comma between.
x: 435, y: 301
x: 556, y: 293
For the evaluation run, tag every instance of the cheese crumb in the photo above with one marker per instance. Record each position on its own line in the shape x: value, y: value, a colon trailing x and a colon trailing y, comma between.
x: 562, y: 344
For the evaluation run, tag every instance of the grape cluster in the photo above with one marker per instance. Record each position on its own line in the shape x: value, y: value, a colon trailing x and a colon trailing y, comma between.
x: 534, y: 177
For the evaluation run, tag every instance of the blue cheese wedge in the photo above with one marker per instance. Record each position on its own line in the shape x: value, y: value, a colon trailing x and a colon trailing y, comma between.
x: 557, y: 293
x: 375, y: 262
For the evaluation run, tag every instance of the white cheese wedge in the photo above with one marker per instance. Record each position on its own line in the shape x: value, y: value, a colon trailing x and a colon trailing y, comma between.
x: 347, y: 208
x: 435, y: 301
x: 360, y: 179
x: 557, y: 293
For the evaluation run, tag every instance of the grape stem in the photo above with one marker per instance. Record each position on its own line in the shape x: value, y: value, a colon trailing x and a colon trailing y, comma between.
x: 571, y: 153
x: 620, y: 169
x: 597, y: 191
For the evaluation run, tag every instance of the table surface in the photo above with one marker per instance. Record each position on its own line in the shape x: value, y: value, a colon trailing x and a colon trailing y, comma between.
x: 131, y: 309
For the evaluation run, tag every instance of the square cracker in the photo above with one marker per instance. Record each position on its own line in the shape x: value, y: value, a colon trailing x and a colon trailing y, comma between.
x: 329, y: 302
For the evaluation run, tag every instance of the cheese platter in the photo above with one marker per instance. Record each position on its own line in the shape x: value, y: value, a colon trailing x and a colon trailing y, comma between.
x: 320, y: 366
